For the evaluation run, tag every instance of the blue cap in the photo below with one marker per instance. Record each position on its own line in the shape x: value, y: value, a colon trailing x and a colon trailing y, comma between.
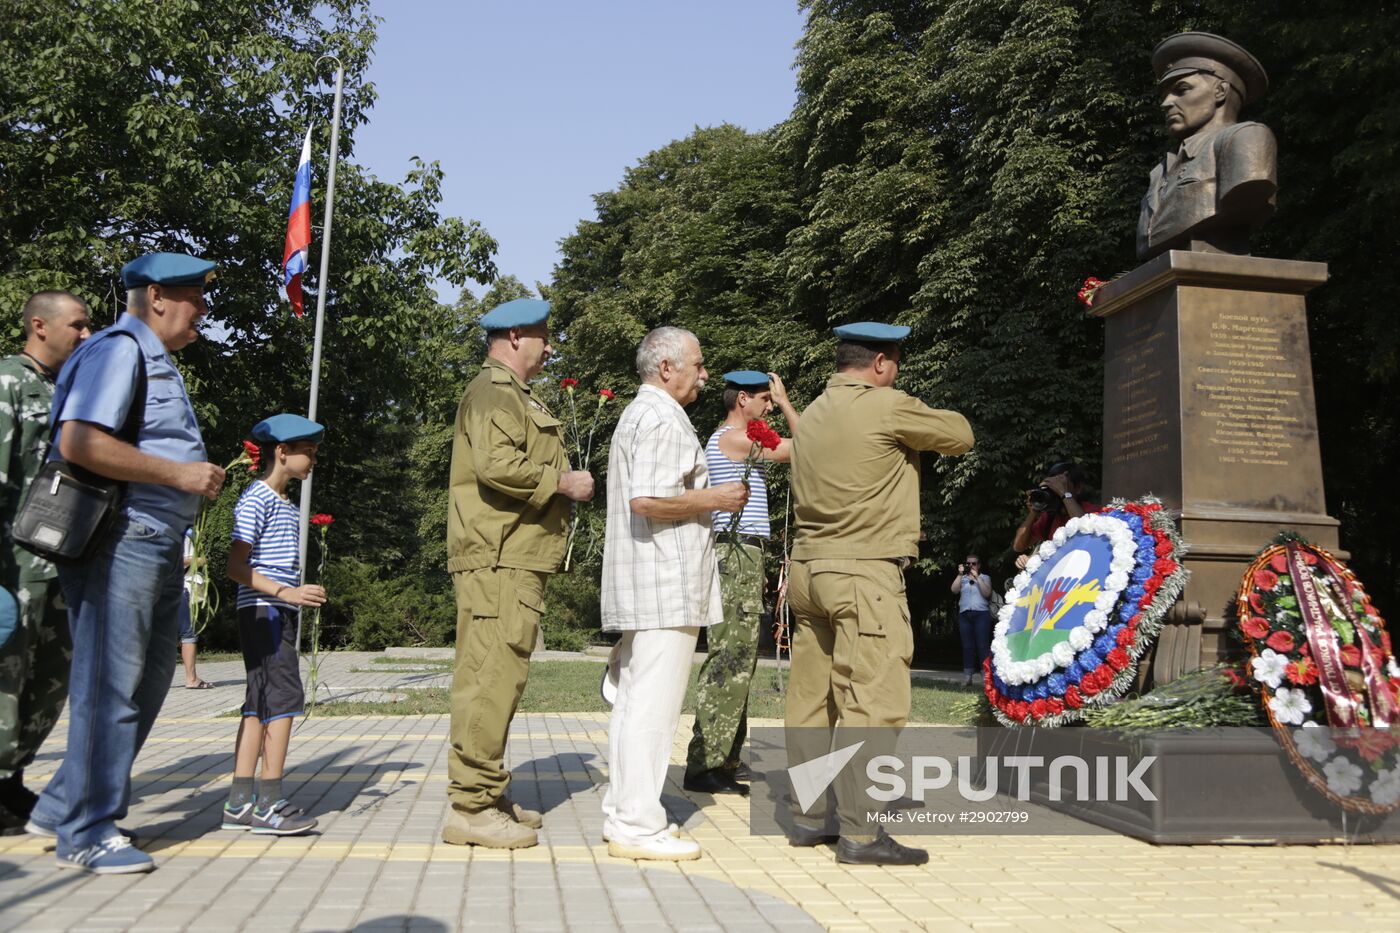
x: 747, y: 379
x: 522, y: 312
x: 167, y: 269
x: 286, y: 428
x: 872, y: 332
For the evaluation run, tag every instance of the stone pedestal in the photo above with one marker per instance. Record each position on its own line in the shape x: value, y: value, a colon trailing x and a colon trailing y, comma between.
x: 1208, y: 404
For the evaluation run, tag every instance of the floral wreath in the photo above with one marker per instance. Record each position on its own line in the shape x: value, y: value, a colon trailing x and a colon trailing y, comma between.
x: 1137, y: 553
x: 1321, y: 657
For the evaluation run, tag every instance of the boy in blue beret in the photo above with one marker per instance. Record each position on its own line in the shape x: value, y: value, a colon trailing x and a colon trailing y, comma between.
x: 264, y: 562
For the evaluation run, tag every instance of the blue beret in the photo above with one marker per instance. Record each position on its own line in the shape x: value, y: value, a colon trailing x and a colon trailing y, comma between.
x: 285, y: 428
x: 747, y: 379
x: 167, y: 269
x: 872, y: 332
x: 522, y: 312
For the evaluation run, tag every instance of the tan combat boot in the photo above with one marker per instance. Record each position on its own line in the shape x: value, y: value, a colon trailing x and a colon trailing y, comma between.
x: 521, y: 815
x: 490, y: 828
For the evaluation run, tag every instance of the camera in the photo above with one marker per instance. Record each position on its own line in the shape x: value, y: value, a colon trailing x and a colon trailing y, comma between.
x: 1044, y: 499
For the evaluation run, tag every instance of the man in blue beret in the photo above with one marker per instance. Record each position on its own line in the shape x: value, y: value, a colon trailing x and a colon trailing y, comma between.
x: 722, y: 686
x: 121, y: 411
x: 855, y: 487
x: 511, y: 488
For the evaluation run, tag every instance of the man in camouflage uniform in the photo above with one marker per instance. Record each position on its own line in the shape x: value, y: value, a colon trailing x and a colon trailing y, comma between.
x: 722, y: 689
x: 34, y: 661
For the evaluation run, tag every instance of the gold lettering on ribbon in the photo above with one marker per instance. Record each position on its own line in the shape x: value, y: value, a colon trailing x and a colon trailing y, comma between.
x: 1322, y: 638
x: 1378, y: 690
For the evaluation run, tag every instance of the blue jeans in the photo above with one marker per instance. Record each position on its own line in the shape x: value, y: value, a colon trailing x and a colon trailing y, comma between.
x: 123, y: 606
x: 975, y: 629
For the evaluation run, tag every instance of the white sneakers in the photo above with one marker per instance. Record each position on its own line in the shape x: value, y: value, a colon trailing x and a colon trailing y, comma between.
x: 667, y: 847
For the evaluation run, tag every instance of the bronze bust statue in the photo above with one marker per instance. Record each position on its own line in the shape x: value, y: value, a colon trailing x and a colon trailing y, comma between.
x: 1219, y: 183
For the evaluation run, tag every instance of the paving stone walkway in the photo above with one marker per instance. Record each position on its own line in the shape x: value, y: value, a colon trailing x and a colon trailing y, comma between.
x: 378, y: 786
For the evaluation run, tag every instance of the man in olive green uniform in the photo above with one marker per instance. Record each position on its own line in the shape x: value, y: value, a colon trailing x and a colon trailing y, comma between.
x: 855, y: 483
x: 34, y: 660
x: 511, y: 488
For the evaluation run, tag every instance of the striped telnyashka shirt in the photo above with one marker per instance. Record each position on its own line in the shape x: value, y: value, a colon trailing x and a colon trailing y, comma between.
x: 753, y: 520
x: 269, y: 523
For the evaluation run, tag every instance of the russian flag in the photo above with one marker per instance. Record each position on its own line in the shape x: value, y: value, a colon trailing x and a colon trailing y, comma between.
x: 298, y: 245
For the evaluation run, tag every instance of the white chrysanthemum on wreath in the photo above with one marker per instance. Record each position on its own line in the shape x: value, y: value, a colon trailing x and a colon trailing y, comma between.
x: 1269, y: 667
x: 1046, y: 549
x: 1385, y: 789
x: 1117, y: 582
x: 1290, y: 706
x: 1343, y: 776
x: 1314, y: 742
x: 1080, y: 638
x: 1094, y: 622
x: 1106, y: 602
x: 1059, y: 536
x: 1063, y: 654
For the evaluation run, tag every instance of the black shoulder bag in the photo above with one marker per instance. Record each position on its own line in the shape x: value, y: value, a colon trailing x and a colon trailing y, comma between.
x: 68, y: 509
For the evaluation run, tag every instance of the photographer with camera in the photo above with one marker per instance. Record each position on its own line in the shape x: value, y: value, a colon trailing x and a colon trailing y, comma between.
x: 974, y: 592
x: 1052, y: 503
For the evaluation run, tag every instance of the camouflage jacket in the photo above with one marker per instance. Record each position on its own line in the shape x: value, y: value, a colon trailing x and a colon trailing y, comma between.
x: 26, y: 394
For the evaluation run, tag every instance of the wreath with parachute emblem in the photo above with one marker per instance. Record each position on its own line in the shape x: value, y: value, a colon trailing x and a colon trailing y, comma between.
x: 1088, y: 605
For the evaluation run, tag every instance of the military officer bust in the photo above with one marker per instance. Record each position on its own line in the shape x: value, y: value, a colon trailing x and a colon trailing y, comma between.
x: 1219, y: 183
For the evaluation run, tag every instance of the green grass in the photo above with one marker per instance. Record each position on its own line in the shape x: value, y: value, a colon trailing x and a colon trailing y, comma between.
x: 572, y: 687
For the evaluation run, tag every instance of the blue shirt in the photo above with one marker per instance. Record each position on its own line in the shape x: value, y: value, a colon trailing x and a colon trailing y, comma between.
x: 269, y: 523
x: 98, y: 385
x: 753, y: 520
x: 970, y: 597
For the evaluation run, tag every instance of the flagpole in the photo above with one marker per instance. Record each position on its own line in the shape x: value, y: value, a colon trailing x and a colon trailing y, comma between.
x: 322, y: 286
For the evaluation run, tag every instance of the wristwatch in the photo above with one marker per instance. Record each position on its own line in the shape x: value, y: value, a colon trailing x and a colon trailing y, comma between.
x: 1068, y: 495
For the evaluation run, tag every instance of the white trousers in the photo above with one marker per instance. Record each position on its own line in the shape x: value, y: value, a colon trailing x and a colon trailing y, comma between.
x: 654, y: 667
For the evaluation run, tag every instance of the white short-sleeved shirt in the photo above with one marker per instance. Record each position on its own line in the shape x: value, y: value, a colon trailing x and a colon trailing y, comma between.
x: 657, y: 574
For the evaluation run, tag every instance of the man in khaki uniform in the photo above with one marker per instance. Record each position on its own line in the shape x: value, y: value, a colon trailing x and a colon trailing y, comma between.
x: 855, y: 482
x: 510, y: 492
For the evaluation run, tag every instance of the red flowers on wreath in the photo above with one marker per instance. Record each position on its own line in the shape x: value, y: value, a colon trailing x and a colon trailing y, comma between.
x: 1255, y: 628
x: 1089, y: 289
x: 1281, y: 642
x: 1351, y: 656
x: 1301, y: 672
x: 761, y: 434
x: 254, y: 453
x: 321, y: 518
x: 1265, y: 579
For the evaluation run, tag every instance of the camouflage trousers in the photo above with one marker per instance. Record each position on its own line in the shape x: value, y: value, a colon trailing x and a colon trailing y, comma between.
x: 33, y: 673
x: 722, y: 689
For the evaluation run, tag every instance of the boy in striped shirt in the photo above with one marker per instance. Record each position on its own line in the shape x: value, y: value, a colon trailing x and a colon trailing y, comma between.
x: 722, y: 688
x: 263, y: 561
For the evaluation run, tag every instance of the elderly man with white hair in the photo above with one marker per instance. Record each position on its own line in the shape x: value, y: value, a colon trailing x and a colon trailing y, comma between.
x: 660, y: 585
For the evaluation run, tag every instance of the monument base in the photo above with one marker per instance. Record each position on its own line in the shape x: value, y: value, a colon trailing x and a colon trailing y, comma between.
x: 1208, y: 405
x: 1210, y: 790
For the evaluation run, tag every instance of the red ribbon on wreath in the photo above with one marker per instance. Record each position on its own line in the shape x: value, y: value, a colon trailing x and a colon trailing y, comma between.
x: 1342, y: 703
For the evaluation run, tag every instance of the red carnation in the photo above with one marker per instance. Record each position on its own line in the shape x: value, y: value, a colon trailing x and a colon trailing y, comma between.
x: 1072, y: 698
x: 1039, y: 708
x: 1125, y: 638
x: 1163, y: 548
x: 1301, y: 672
x: 568, y: 384
x: 1117, y: 659
x: 607, y: 394
x: 1090, y: 288
x: 321, y: 518
x: 760, y: 433
x: 1281, y: 642
x: 254, y: 453
x: 1054, y: 706
x: 1164, y: 566
x: 1237, y: 680
x: 1351, y: 656
x: 1265, y: 580
x: 1255, y: 627
x: 1279, y: 562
